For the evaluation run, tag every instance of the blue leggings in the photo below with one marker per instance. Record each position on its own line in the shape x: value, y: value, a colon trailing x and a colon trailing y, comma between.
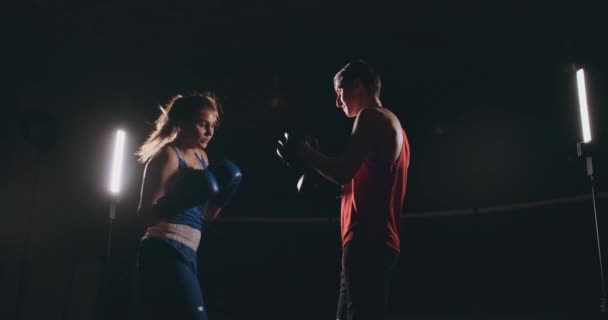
x: 169, y: 284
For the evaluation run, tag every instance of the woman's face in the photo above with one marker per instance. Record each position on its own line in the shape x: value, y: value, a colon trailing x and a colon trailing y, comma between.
x: 200, y: 132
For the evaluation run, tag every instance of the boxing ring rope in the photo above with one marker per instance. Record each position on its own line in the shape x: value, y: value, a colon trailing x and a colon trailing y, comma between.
x: 427, y: 214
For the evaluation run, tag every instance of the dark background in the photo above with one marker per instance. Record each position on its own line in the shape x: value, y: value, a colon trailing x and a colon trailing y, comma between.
x: 485, y: 91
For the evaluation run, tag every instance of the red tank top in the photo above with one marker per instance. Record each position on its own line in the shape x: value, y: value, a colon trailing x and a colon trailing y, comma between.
x: 372, y: 201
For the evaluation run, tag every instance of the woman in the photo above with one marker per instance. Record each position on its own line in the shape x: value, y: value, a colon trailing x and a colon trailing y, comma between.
x: 179, y: 193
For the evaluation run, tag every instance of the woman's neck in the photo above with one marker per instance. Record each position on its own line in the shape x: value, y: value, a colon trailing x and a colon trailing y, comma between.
x: 185, y: 147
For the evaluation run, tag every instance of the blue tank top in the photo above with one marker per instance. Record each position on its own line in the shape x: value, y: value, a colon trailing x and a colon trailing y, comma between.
x: 191, y: 216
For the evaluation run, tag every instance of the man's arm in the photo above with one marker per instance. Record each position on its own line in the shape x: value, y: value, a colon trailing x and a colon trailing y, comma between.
x: 363, y: 138
x: 211, y: 213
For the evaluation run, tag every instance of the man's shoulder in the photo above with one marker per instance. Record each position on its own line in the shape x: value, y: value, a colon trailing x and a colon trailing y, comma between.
x: 379, y: 117
x: 372, y: 115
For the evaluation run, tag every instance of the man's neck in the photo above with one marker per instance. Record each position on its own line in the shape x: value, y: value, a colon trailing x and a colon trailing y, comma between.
x: 371, y: 102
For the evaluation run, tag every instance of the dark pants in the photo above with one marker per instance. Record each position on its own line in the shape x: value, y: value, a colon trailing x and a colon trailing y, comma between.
x: 169, y: 284
x: 367, y: 268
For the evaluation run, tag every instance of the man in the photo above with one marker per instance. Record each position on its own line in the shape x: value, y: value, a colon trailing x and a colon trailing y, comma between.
x: 373, y: 175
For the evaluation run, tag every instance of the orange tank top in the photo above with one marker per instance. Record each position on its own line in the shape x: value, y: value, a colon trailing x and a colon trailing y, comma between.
x: 372, y: 201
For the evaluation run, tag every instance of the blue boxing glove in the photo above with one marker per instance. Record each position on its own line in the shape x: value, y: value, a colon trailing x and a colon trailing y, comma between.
x: 193, y: 189
x: 229, y: 178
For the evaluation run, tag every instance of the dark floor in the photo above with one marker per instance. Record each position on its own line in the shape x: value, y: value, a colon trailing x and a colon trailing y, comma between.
x: 528, y: 264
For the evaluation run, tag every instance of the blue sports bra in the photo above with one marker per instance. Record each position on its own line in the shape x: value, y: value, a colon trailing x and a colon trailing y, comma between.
x: 191, y: 216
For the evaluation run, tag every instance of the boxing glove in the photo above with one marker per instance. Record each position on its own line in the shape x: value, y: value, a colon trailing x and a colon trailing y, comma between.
x: 229, y: 178
x: 194, y: 188
x: 288, y: 147
x: 312, y: 185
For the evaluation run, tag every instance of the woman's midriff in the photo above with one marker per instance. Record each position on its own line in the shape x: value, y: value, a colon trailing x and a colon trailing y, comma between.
x: 181, y: 233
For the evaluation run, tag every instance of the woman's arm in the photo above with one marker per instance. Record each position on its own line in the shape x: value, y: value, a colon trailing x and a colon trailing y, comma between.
x: 210, y: 212
x: 229, y: 178
x: 159, y: 173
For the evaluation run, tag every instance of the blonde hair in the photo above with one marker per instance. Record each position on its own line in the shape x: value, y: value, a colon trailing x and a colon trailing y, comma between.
x: 178, y: 111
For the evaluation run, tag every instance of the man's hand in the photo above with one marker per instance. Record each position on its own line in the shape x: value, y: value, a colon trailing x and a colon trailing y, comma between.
x: 291, y: 147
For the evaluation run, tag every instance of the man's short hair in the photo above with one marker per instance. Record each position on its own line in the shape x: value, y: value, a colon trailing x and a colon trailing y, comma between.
x: 359, y: 69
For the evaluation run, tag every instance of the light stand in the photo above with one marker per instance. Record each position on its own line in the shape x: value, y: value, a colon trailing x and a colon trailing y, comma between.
x: 586, y: 150
x: 115, y: 180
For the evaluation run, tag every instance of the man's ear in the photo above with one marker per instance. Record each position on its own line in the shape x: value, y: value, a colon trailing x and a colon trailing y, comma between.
x: 357, y: 84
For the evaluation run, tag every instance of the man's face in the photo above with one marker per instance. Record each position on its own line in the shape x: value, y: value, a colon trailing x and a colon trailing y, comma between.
x: 346, y: 100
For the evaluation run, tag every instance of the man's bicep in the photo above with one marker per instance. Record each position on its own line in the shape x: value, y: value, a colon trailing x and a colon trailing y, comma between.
x: 361, y: 142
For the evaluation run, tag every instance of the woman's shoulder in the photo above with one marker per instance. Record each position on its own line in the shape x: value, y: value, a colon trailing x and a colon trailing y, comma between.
x: 163, y: 158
